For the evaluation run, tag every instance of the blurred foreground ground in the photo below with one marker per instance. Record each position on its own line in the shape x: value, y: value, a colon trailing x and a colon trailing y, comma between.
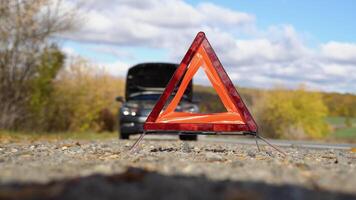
x: 171, y: 169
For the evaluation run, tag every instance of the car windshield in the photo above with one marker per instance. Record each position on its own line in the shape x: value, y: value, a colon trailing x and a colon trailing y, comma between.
x: 147, y: 97
x: 151, y: 97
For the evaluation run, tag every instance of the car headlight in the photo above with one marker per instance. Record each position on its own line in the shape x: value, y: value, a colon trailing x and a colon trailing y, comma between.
x: 191, y: 108
x: 129, y: 111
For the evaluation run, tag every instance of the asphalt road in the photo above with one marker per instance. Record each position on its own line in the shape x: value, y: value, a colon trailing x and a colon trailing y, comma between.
x: 166, y: 168
x: 284, y: 143
x: 251, y: 141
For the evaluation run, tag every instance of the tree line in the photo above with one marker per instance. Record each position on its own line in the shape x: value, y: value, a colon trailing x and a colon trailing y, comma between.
x: 29, y: 58
x: 285, y: 113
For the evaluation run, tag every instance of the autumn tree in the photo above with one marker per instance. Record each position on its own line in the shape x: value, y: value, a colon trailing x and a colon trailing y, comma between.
x: 293, y: 114
x: 27, y: 28
x: 42, y: 88
x: 84, y: 98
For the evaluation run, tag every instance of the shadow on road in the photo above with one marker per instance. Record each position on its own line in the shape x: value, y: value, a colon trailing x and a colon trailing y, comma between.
x: 140, y: 184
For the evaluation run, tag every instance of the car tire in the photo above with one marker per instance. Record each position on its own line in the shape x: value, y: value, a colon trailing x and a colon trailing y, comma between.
x: 188, y: 137
x: 124, y: 136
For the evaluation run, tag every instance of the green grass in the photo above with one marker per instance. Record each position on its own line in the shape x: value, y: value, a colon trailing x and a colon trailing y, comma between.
x: 346, y: 133
x: 341, y: 131
x: 338, y: 121
x: 8, y: 136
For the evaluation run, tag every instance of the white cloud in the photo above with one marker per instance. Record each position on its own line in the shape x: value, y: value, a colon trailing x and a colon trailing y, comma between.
x: 116, y: 68
x: 153, y: 23
x: 69, y: 51
x: 339, y: 51
x: 219, y: 16
x: 111, y: 50
x: 277, y: 55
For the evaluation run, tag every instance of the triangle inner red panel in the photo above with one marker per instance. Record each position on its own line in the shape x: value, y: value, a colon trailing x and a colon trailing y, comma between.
x: 236, y: 118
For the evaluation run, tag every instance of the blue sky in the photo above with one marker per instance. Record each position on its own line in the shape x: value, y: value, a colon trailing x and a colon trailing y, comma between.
x: 276, y: 42
x: 323, y: 20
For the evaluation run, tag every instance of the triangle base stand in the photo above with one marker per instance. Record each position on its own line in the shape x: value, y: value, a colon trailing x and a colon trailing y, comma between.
x: 254, y: 134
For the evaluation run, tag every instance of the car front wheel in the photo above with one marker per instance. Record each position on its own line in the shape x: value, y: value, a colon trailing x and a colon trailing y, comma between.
x: 188, y: 137
x: 124, y: 136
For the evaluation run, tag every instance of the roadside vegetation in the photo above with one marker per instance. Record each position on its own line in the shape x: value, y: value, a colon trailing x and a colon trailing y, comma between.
x: 82, y: 99
x: 28, y: 136
x: 343, y: 128
x: 41, y: 89
x: 294, y: 114
x: 297, y: 114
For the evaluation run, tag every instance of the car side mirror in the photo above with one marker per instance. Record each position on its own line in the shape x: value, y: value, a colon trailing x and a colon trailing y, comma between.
x: 120, y: 99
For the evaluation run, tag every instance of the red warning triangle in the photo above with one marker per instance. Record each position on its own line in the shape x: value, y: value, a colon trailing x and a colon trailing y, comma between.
x: 236, y: 119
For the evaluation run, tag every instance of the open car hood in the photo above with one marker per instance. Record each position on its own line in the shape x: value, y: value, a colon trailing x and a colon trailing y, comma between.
x: 151, y: 77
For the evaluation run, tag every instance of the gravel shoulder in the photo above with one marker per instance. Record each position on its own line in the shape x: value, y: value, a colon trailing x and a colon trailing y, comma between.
x: 196, y: 170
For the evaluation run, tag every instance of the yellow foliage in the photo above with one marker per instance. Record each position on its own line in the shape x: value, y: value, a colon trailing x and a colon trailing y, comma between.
x: 293, y: 114
x: 82, y: 91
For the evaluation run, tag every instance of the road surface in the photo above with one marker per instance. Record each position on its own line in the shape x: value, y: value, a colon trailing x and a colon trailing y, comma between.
x: 165, y: 168
x: 251, y: 141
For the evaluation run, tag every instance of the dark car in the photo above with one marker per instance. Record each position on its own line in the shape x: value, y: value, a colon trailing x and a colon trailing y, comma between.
x: 144, y: 85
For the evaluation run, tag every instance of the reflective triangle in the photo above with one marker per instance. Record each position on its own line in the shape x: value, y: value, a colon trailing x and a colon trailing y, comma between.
x: 236, y: 118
